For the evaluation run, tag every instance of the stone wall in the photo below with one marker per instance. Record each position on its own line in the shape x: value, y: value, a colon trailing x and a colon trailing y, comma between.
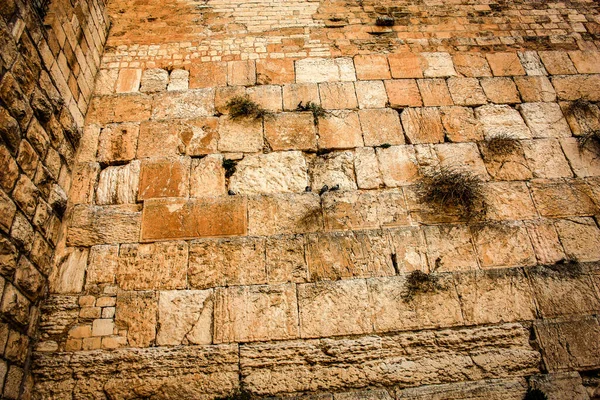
x: 205, y: 254
x: 50, y: 55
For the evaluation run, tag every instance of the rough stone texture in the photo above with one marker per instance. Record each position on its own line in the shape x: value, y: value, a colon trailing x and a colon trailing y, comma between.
x: 584, y: 161
x: 284, y: 214
x: 331, y: 170
x: 503, y: 245
x: 184, y: 317
x: 187, y: 104
x: 118, y: 185
x: 338, y: 95
x: 207, y: 177
x: 450, y: 247
x: 545, y: 120
x: 502, y: 120
x: 398, y: 165
x: 92, y: 225
x: 460, y: 124
x: 118, y: 143
x: 381, y: 126
x: 371, y: 94
x: 509, y: 201
x: 559, y: 386
x: 546, y: 159
x: 340, y: 130
x: 423, y: 125
x: 505, y: 64
x: 167, y: 139
x: 492, y: 389
x: 154, y: 80
x: 291, y: 131
x: 315, y: 70
x: 403, y: 93
x: 500, y: 90
x: 136, y: 312
x: 466, y: 91
x: 562, y: 198
x: 366, y: 168
x: 580, y: 238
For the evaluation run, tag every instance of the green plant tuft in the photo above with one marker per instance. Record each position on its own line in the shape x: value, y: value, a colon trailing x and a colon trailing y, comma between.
x: 420, y: 282
x: 243, y: 107
x: 502, y: 145
x: 535, y: 394
x: 317, y: 110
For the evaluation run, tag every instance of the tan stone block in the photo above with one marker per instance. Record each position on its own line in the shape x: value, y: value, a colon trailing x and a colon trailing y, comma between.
x: 340, y: 130
x: 492, y: 389
x: 371, y: 94
x: 291, y: 131
x: 584, y: 160
x: 273, y: 71
x: 118, y: 185
x: 505, y: 245
x: 113, y: 342
x: 363, y: 395
x: 108, y: 312
x: 73, y: 344
x: 227, y: 262
x: 154, y: 80
x: 372, y: 66
x: 403, y: 93
x: 284, y: 214
x: 190, y: 104
x: 105, y: 82
x: 118, y: 143
x: 408, y: 249
x: 68, y: 276
x: 391, y: 312
x: 510, y: 167
x: 557, y: 62
x: 434, y: 92
x: 106, y: 301
x: 466, y: 91
x: 509, y: 201
x: 544, y: 238
x: 92, y: 225
x: 316, y: 70
x: 184, y: 317
x: 285, y: 260
x: 563, y: 199
x: 179, y: 80
x: 136, y: 312
x: 381, y: 126
x: 80, y: 331
x: 223, y: 95
x: 25, y: 195
x: 460, y: 124
x: 164, y: 178
x: 545, y: 120
x: 128, y: 80
x: 207, y: 177
x: 338, y: 95
x: 500, y: 90
x: 240, y: 135
x: 103, y: 327
x: 366, y: 168
x: 405, y: 65
x: 471, y: 65
x: 364, y: 210
x: 499, y: 120
x: 278, y: 172
x: 580, y: 238
x: 577, y: 87
x: 186, y: 219
x: 27, y: 158
x: 269, y: 97
x: 241, y: 73
x: 208, y: 74
x: 535, y: 88
x: 12, y: 385
x: 581, y: 120
x: 84, y: 178
x: 437, y: 65
x: 505, y: 64
x: 22, y: 232
x: 153, y: 266
x: 531, y: 63
x: 586, y: 62
x: 93, y: 343
x: 462, y: 156
x: 8, y: 210
x: 304, y: 93
x: 546, y: 159
x: 255, y: 313
x: 102, y: 264
x: 334, y: 308
x: 451, y: 247
x: 495, y: 296
x: 423, y: 125
x: 173, y: 138
x: 398, y: 165
x: 10, y: 170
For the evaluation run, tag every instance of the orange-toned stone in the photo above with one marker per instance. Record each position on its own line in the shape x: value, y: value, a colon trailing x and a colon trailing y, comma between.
x: 372, y: 66
x: 224, y: 94
x: 505, y: 64
x: 434, y: 92
x: 266, y: 96
x: 398, y: 165
x: 241, y: 73
x: 304, y: 93
x: 92, y: 225
x: 461, y: 125
x: 577, y: 87
x: 209, y: 74
x: 403, y: 93
x: 273, y: 71
x: 187, y: 219
x: 164, y: 178
x: 371, y: 94
x: 118, y: 142
x: 291, y: 131
x: 240, y: 135
x: 108, y: 109
x: 381, y: 126
x: 535, y: 88
x: 563, y: 198
x: 405, y: 65
x: 129, y: 80
x: 471, y: 65
x: 500, y: 90
x: 338, y: 95
x: 423, y: 125
x: 557, y: 62
x: 340, y: 131
x: 586, y: 62
x: 466, y: 91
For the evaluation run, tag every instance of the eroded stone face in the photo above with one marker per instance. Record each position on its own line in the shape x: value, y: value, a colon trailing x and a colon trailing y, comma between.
x: 185, y: 317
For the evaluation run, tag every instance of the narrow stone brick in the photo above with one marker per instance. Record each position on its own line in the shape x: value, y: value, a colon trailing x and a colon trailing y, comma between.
x: 92, y: 225
x: 366, y: 167
x: 531, y: 63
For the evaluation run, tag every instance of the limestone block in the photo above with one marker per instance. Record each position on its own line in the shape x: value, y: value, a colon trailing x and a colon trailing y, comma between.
x: 22, y: 232
x: 546, y: 243
x: 106, y: 79
x: 505, y: 64
x: 164, y: 178
x: 15, y: 306
x: 223, y: 95
x: 535, y: 88
x: 10, y: 168
x: 509, y: 201
x: 406, y: 65
x: 119, y: 185
x: 331, y: 170
x: 466, y: 91
x: 586, y: 62
x: 316, y: 70
x: 128, y: 80
x: 8, y: 209
x: 27, y: 158
x: 136, y: 312
x: 450, y: 247
x: 243, y: 135
x: 423, y: 125
x: 284, y: 214
x: 268, y: 97
x: 84, y: 178
x: 502, y: 120
x: 561, y: 199
x: 207, y: 176
x: 186, y: 104
x: 188, y: 219
x: 291, y: 131
x: 154, y: 80
x: 102, y: 264
x: 364, y: 210
x: 580, y: 238
x: 241, y: 73
x: 584, y: 161
x: 364, y: 395
x: 208, y: 74
x: 575, y: 87
x: 304, y: 93
x: 8, y: 257
x: 503, y: 245
x: 461, y: 125
x: 255, y: 313
x: 366, y: 168
x: 334, y: 308
x: 398, y: 165
x: 184, y: 317
x: 495, y: 296
x: 118, y: 142
x: 279, y: 172
x: 437, y: 64
x: 340, y: 130
x: 434, y: 92
x: 381, y: 126
x: 491, y: 389
x: 25, y: 195
x: 557, y: 62
x: 227, y: 262
x: 12, y: 385
x: 103, y: 327
x: 561, y: 386
x: 275, y: 71
x: 569, y: 344
x: 285, y: 260
x: 58, y: 314
x: 510, y: 167
x: 471, y: 65
x: 583, y: 119
x: 68, y: 276
x: 531, y: 63
x: 338, y: 95
x: 545, y: 120
x: 500, y: 90
x: 161, y: 266
x: 403, y: 93
x: 462, y: 156
x: 173, y: 138
x: 371, y: 66
x: 178, y: 80
x: 371, y: 94
x: 546, y: 158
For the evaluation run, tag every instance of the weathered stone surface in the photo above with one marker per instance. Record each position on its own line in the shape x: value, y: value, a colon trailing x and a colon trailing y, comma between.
x: 569, y: 344
x: 466, y: 91
x: 255, y: 313
x: 177, y: 137
x: 285, y: 260
x: 502, y: 120
x: 450, y: 247
x: 118, y: 142
x: 491, y: 389
x: 279, y: 172
x: 207, y: 176
x: 371, y: 394
x: 315, y: 70
x: 381, y: 126
x: 557, y: 62
x: 154, y: 80
x: 546, y: 244
x: 423, y: 125
x: 8, y: 209
x: 69, y: 272
x: 509, y: 201
x: 531, y: 63
x: 398, y: 165
x: 188, y: 219
x: 535, y: 88
x: 408, y: 359
x: 366, y: 168
x: 103, y: 262
x: 503, y: 245
x: 577, y: 87
x: 15, y: 306
x: 461, y: 156
x: 340, y: 130
x: 372, y: 66
x: 434, y: 92
x: 92, y: 225
x: 583, y: 159
x: 403, y: 93
x: 500, y: 90
x: 118, y: 185
x: 561, y: 386
x: 136, y: 312
x: 471, y: 65
x: 437, y: 64
x: 284, y: 214
x: 495, y: 296
x: 243, y: 135
x: 291, y: 131
x: 268, y: 97
x: 186, y: 104
x: 178, y: 80
x: 208, y: 74
x: 128, y: 80
x: 406, y: 65
x: 331, y: 170
x: 511, y: 167
x: 580, y: 238
x: 545, y: 120
x: 562, y: 199
x: 275, y: 71
x: 105, y: 82
x: 546, y: 159
x: 586, y: 62
x: 505, y: 64
x: 338, y: 95
x: 304, y: 93
x: 184, y: 317
x: 164, y: 178
x: 84, y: 178
x: 161, y: 266
x: 227, y: 262
x: 371, y: 94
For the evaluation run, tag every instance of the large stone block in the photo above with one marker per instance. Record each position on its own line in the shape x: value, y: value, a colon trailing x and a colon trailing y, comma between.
x: 583, y: 159
x: 372, y: 66
x: 546, y: 159
x: 291, y: 131
x: 243, y: 135
x: 136, y: 312
x: 208, y: 74
x: 502, y: 120
x: 406, y: 65
x: 167, y: 139
x: 164, y: 178
x: 92, y: 225
x: 381, y: 126
x: 563, y: 198
x: 451, y: 247
x: 207, y: 176
x: 315, y: 70
x: 300, y: 93
x: 275, y: 71
x: 69, y: 273
x: 580, y: 238
x: 285, y: 259
x: 118, y: 143
x: 366, y: 168
x: 15, y: 306
x: 545, y: 120
x: 113, y: 109
x: 463, y: 157
x: 471, y: 65
x: 284, y: 214
x: 338, y: 95
x: 423, y: 125
x: 187, y: 104
x: 466, y: 91
x: 503, y: 245
x: 557, y: 62
x: 334, y: 169
x: 505, y: 64
x: 577, y: 87
x: 154, y: 80
x: 434, y: 92
x: 371, y: 94
x: 103, y: 262
x: 509, y: 201
x: 340, y: 130
x: 398, y: 165
x: 403, y: 93
x: 491, y: 389
x: 184, y: 317
x: 119, y: 184
x: 241, y: 73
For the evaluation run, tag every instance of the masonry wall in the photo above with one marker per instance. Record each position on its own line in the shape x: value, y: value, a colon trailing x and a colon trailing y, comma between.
x: 206, y: 255
x: 49, y: 58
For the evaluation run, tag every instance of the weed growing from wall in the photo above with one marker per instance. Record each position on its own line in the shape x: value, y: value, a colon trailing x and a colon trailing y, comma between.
x: 502, y: 145
x: 317, y: 110
x: 243, y: 107
x: 420, y: 282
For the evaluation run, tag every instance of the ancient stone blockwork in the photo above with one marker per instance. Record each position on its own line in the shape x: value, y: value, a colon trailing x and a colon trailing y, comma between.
x: 49, y: 56
x: 295, y: 251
